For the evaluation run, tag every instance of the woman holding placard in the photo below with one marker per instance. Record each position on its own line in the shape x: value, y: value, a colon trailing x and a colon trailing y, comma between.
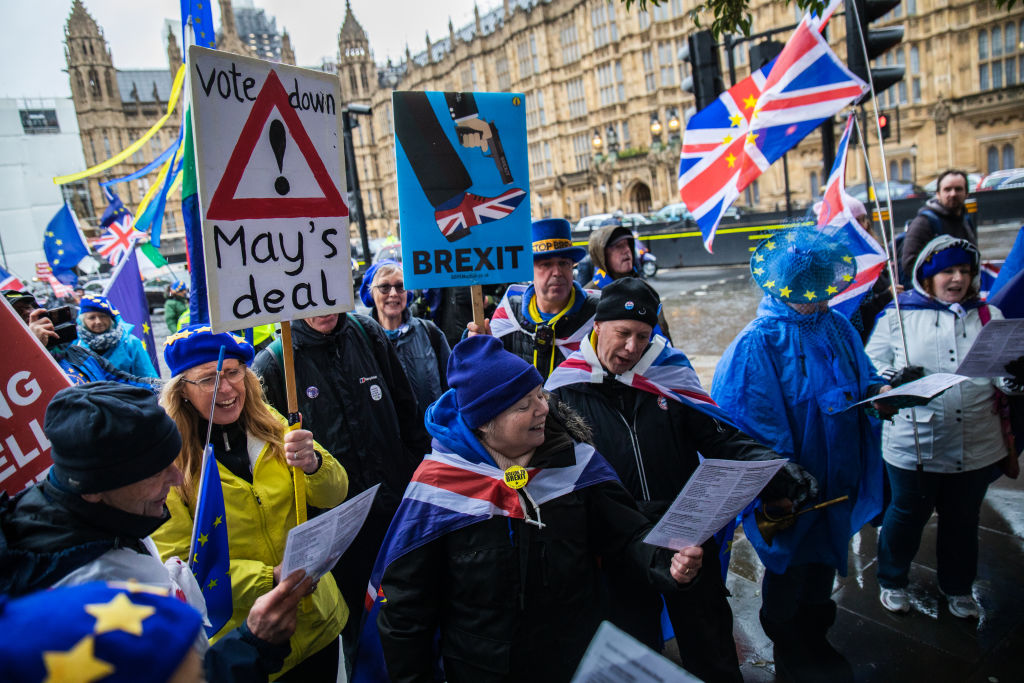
x: 959, y: 434
x: 257, y: 460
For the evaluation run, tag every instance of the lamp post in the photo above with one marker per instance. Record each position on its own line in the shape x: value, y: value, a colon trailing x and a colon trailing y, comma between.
x: 655, y: 130
x: 348, y: 123
x: 613, y: 140
x: 913, y: 161
x: 596, y: 141
x: 673, y: 125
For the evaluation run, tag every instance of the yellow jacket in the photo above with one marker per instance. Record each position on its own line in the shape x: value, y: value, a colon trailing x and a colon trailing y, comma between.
x: 259, y: 517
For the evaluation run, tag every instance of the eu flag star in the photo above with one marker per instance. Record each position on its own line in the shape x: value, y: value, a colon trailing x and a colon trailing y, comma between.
x: 749, y: 102
x: 751, y: 137
x: 212, y: 584
x: 731, y: 160
x: 218, y: 521
x: 769, y: 245
x: 120, y: 614
x: 203, y: 538
x: 736, y: 119
x: 847, y: 259
x: 809, y: 295
x: 847, y: 277
x: 77, y: 664
x: 145, y: 328
x: 59, y: 243
x: 785, y: 291
x: 832, y: 289
x: 758, y: 271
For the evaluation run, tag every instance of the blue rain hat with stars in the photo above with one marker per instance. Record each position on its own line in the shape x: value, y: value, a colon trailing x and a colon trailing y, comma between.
x: 803, y: 266
x: 95, y: 631
x: 94, y: 303
x: 197, y: 344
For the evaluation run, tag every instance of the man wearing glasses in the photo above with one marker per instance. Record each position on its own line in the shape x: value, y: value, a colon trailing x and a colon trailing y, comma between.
x: 544, y: 322
x: 355, y: 398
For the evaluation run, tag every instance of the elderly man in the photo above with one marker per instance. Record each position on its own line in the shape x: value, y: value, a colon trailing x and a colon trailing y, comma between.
x: 651, y: 417
x: 943, y: 214
x: 113, y: 450
x: 544, y: 322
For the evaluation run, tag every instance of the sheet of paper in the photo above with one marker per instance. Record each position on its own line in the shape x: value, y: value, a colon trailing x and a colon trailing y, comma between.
x: 716, y: 492
x: 616, y: 657
x: 925, y: 389
x: 999, y: 342
x: 317, y: 544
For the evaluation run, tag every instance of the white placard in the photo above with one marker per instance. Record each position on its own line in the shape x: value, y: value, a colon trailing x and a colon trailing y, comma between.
x: 317, y: 544
x: 271, y: 172
x: 716, y: 492
x: 614, y: 656
x: 923, y: 390
x: 998, y: 343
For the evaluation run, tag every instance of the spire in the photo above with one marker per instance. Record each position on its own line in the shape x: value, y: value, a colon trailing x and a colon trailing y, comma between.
x: 351, y: 31
x: 451, y: 32
x: 476, y: 18
x: 173, y: 51
x: 430, y: 57
x: 287, y: 54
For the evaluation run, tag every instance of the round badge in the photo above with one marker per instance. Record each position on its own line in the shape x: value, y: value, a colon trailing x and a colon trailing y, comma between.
x: 375, y: 393
x: 312, y: 392
x: 629, y: 305
x: 516, y: 477
x: 662, y: 403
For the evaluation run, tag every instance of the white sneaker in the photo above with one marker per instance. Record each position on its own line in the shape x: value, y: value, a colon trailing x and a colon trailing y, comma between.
x: 894, y: 600
x: 962, y: 606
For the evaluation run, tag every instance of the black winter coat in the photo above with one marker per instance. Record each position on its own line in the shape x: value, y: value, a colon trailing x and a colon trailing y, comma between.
x: 522, y: 343
x: 514, y: 602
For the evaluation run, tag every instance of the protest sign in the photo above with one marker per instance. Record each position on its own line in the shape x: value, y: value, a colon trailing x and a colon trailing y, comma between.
x: 463, y: 188
x: 270, y: 167
x: 28, y: 380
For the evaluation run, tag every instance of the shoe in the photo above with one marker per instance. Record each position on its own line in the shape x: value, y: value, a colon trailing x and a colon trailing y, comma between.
x: 962, y: 606
x: 894, y: 600
x: 464, y: 211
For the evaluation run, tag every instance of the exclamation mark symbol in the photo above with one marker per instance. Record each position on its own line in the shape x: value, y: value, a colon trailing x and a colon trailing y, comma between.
x: 277, y: 143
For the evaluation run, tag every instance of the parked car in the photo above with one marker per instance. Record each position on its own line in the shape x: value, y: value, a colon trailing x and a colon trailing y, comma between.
x: 1016, y: 180
x: 997, y: 179
x: 973, y: 180
x: 672, y: 213
x: 897, y: 189
x: 629, y: 220
x: 391, y: 251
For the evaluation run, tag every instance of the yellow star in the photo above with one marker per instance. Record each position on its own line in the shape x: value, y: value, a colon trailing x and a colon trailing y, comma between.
x: 145, y: 328
x: 60, y: 251
x: 218, y: 521
x: 749, y: 102
x: 769, y: 245
x: 736, y: 119
x: 195, y: 558
x: 758, y: 271
x: 831, y: 290
x: 847, y: 259
x: 759, y: 258
x: 212, y: 584
x: 847, y: 278
x: 809, y: 295
x: 59, y: 242
x: 769, y: 283
x: 49, y: 233
x: 785, y: 291
x: 731, y: 160
x: 120, y: 614
x: 791, y: 237
x: 203, y: 538
x: 77, y: 664
x: 751, y: 137
x: 727, y: 139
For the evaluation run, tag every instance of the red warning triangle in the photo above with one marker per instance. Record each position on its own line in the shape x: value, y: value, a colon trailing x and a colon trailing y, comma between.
x: 225, y: 206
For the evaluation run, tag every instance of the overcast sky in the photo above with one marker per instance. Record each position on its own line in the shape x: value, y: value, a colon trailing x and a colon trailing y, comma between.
x: 32, y: 35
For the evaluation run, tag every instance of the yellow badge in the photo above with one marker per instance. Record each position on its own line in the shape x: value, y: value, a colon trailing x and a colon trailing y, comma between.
x: 516, y: 477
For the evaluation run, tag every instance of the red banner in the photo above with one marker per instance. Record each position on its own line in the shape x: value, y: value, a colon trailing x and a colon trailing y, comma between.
x: 29, y: 377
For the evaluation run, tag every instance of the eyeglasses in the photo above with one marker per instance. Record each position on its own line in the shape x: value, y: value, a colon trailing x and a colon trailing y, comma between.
x: 206, y: 384
x: 384, y: 289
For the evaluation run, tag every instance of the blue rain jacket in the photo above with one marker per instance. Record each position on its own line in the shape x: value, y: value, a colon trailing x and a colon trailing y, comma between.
x: 787, y: 380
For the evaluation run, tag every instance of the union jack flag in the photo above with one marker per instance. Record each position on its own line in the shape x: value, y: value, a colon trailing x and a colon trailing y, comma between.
x: 471, y: 210
x: 662, y: 370
x: 728, y: 144
x: 119, y: 235
x: 836, y: 219
x: 8, y: 281
x: 504, y: 321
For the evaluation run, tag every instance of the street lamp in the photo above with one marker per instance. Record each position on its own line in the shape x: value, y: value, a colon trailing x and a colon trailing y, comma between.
x: 596, y: 142
x: 673, y: 125
x: 655, y: 128
x: 613, y: 140
x: 913, y: 160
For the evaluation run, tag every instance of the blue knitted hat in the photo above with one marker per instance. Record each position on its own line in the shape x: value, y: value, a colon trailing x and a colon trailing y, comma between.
x: 938, y: 261
x: 94, y: 303
x: 179, y: 286
x: 94, y: 631
x: 552, y: 237
x: 197, y: 344
x: 365, y: 295
x: 487, y: 379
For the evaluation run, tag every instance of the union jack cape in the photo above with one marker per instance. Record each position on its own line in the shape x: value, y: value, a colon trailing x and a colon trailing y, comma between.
x: 449, y: 492
x: 662, y: 370
x: 835, y: 219
x: 504, y: 321
x: 728, y: 144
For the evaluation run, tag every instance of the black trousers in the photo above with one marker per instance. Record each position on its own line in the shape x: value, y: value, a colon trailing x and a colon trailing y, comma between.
x: 437, y: 165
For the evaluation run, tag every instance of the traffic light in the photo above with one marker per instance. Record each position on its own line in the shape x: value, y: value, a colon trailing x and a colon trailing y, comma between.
x: 883, y: 125
x: 705, y: 81
x: 859, y: 15
x: 764, y: 52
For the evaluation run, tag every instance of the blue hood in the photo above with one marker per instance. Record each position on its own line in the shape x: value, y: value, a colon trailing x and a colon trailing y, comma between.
x: 451, y: 432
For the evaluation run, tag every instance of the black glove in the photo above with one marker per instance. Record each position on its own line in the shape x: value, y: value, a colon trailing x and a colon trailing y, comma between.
x: 1015, y: 370
x: 792, y: 482
x: 907, y: 374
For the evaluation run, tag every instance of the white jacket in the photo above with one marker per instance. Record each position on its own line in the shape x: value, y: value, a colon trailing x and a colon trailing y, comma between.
x: 959, y: 430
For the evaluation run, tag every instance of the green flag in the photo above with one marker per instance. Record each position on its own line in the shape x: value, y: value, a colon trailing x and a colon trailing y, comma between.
x: 153, y: 255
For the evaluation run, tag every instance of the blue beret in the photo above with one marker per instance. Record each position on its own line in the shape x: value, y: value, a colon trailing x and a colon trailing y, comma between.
x: 94, y: 303
x: 487, y: 379
x: 197, y: 344
x: 365, y: 295
x: 95, y: 631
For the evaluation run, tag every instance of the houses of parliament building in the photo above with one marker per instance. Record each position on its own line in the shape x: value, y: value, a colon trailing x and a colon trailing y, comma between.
x: 605, y: 111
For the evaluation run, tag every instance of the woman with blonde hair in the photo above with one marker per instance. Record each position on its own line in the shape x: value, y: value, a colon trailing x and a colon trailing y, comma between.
x: 258, y: 460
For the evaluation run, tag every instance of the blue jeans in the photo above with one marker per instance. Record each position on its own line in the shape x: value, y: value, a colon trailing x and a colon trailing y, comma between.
x: 957, y: 499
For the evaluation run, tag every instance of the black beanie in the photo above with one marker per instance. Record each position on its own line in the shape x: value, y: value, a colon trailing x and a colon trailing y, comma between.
x: 629, y: 298
x: 106, y: 435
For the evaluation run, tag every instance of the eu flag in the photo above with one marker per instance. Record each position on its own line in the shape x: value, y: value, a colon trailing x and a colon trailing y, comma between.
x: 125, y: 291
x: 209, y: 559
x: 63, y: 245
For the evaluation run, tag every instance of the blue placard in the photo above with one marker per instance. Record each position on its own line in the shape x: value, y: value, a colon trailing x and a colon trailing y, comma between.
x: 463, y: 188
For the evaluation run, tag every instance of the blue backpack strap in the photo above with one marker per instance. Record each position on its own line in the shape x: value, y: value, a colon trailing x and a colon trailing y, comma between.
x: 933, y: 221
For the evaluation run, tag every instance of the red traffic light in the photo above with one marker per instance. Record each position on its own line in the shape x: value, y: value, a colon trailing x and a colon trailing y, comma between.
x: 883, y: 120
